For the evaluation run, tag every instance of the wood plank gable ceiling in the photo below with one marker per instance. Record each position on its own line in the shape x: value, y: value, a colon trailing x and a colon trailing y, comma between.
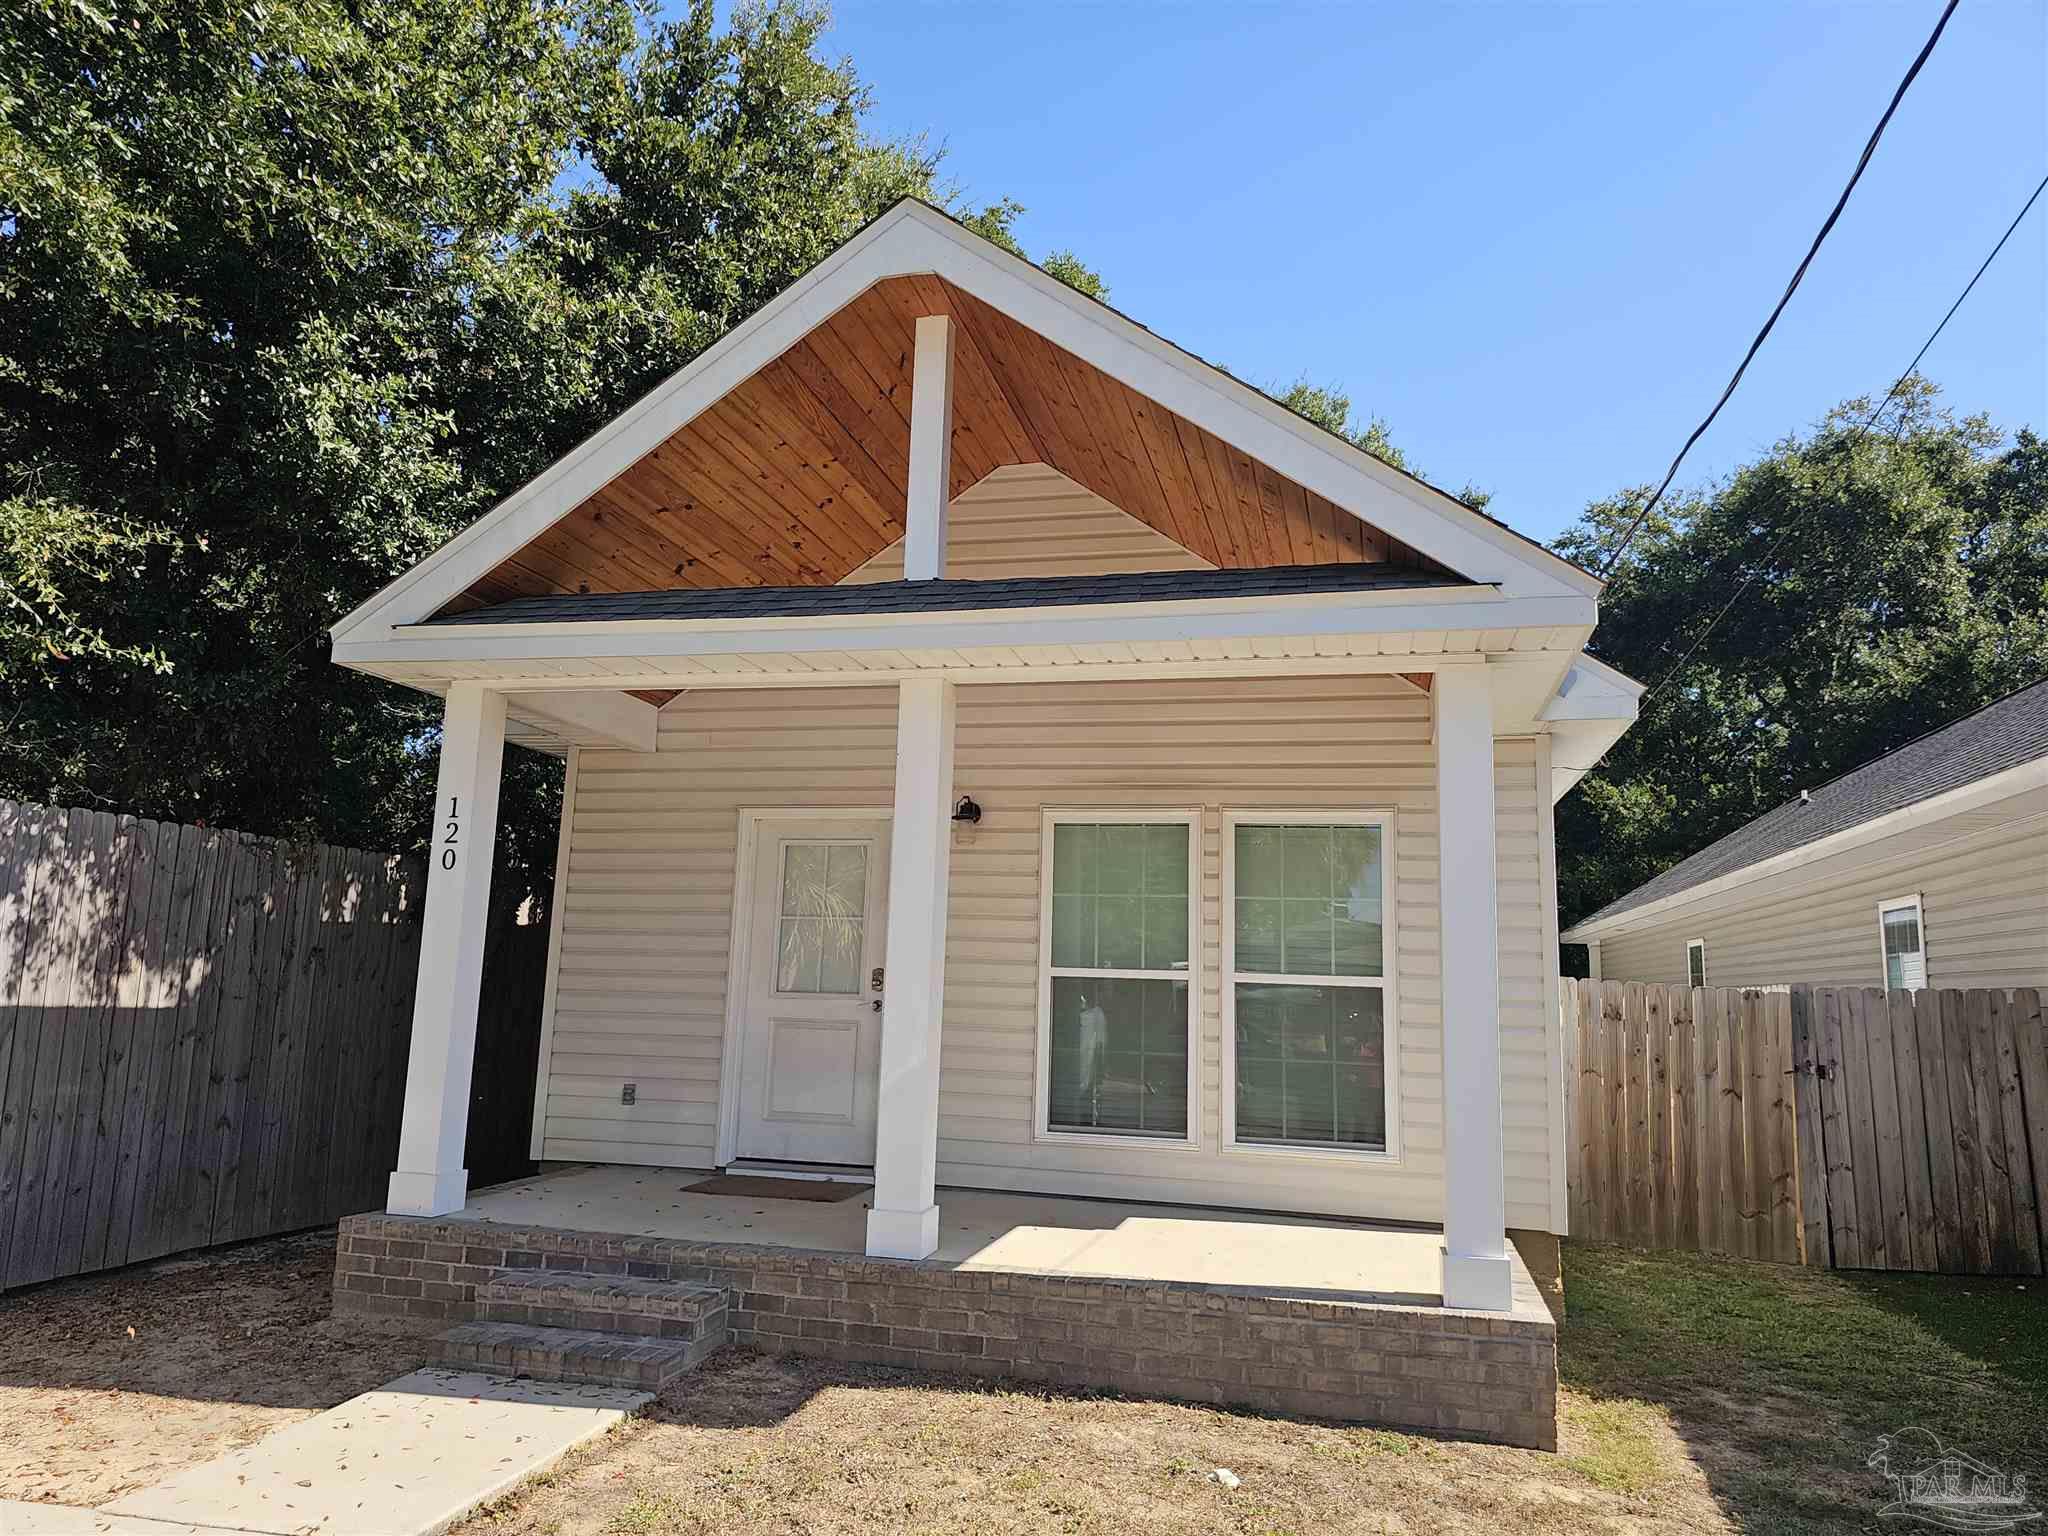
x: 798, y: 476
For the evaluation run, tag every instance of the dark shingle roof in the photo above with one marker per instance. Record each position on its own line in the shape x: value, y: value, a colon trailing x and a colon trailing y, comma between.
x: 2001, y: 735
x: 947, y: 596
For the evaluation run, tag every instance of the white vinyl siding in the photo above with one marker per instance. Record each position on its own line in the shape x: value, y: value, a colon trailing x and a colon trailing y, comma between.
x: 1984, y: 900
x: 1031, y: 520
x: 646, y: 912
x: 646, y: 908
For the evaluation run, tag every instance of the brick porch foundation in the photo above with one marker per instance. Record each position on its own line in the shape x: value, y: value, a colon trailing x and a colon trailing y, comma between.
x: 1478, y: 1375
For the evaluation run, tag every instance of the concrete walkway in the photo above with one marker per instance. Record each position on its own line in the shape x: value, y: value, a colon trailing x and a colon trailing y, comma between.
x: 18, y: 1519
x: 409, y: 1459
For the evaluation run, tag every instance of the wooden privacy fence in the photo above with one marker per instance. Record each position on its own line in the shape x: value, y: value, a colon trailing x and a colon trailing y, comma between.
x: 203, y: 1036
x: 1825, y: 1126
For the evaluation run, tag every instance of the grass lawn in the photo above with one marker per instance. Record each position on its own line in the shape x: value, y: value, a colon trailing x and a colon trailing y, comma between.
x: 1779, y: 1380
x: 1699, y: 1395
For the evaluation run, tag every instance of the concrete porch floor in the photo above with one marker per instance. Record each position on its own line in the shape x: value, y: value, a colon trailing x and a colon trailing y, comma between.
x: 1273, y: 1255
x: 1325, y: 1318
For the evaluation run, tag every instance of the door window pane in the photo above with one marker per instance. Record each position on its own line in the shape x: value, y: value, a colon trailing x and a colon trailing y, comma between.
x: 1119, y: 1056
x: 822, y: 929
x: 1120, y: 896
x: 1311, y: 1066
x: 1309, y: 901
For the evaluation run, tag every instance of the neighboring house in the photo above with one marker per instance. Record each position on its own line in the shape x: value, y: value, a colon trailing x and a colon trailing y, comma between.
x: 1009, y: 754
x: 1927, y: 867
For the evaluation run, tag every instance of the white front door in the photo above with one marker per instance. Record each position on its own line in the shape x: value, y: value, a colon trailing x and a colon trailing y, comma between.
x: 810, y: 1041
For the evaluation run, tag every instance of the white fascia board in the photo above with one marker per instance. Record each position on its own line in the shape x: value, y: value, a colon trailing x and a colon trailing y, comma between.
x: 1592, y: 690
x: 1576, y: 747
x: 1593, y: 707
x: 630, y: 672
x: 1101, y: 624
x: 2016, y: 780
x: 912, y: 238
x: 603, y: 717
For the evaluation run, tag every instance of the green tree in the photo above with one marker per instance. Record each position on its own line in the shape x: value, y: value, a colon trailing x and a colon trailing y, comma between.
x: 291, y: 294
x: 1877, y: 585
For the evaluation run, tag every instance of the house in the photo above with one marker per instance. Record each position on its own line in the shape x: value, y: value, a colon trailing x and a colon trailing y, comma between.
x: 1016, y: 765
x: 1927, y: 867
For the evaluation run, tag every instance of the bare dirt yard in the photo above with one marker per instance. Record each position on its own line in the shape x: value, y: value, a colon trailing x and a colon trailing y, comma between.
x: 111, y: 1382
x: 1699, y: 1395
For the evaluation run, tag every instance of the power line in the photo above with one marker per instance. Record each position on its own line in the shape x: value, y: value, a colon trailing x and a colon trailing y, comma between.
x: 1792, y: 287
x: 1861, y: 428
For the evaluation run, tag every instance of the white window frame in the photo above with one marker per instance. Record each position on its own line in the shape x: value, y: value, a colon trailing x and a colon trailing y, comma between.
x: 1894, y: 904
x: 1387, y: 983
x: 1701, y: 946
x: 1041, y: 1113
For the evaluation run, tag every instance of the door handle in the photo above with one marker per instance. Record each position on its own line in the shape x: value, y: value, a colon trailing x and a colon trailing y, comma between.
x: 877, y: 1005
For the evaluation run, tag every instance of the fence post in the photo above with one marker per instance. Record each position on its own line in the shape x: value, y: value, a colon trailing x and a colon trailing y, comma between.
x: 1814, y: 1246
x: 2032, y: 1047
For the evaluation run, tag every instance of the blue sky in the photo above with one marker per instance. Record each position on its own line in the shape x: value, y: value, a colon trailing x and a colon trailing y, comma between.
x: 1535, y: 238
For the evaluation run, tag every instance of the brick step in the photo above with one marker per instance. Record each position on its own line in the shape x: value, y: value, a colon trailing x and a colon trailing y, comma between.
x: 664, y: 1309
x: 573, y: 1354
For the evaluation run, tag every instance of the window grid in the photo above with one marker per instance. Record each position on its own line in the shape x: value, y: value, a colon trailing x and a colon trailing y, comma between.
x: 1120, y: 906
x: 1356, y: 1090
x: 821, y: 924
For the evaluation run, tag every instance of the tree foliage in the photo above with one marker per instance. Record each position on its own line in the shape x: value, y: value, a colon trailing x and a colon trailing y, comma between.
x: 290, y: 294
x: 1330, y: 408
x: 1895, y: 580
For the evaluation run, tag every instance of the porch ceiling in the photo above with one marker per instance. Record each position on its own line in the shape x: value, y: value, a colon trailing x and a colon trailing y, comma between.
x: 799, y: 475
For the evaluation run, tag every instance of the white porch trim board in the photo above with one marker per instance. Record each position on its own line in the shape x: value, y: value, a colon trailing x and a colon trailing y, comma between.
x: 552, y: 986
x: 1477, y: 1272
x: 430, y: 1179
x: 931, y: 449
x: 1553, y: 1029
x: 904, y: 1222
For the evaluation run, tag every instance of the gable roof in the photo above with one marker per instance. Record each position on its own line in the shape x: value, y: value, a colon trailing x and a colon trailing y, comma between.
x: 1181, y: 412
x: 2004, y: 734
x: 947, y: 596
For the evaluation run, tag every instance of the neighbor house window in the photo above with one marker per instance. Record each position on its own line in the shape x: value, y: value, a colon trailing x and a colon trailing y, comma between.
x: 1118, y: 946
x: 1696, y: 962
x: 1309, y: 950
x: 1903, y: 934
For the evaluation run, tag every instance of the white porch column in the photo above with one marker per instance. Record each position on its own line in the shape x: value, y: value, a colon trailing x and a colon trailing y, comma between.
x: 430, y: 1179
x: 904, y: 1223
x: 1593, y: 959
x: 1476, y: 1271
x: 931, y: 450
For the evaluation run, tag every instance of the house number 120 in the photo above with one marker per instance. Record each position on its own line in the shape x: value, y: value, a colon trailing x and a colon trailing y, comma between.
x: 454, y: 837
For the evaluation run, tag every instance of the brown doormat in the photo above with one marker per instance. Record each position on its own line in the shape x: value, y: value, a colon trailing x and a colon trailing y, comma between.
x: 754, y: 1186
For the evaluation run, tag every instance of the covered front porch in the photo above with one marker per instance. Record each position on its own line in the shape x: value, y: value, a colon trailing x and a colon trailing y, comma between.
x: 1312, y: 1316
x: 985, y: 1230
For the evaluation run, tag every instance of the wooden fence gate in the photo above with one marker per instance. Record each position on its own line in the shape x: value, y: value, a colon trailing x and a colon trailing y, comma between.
x: 1825, y: 1126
